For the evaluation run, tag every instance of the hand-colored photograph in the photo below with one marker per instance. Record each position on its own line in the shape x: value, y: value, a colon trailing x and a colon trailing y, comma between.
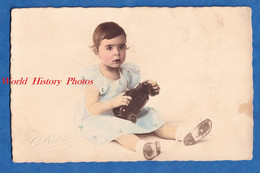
x: 131, y: 84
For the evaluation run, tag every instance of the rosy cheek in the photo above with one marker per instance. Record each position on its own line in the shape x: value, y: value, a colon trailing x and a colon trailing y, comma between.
x: 123, y: 58
x: 123, y: 55
x: 106, y: 58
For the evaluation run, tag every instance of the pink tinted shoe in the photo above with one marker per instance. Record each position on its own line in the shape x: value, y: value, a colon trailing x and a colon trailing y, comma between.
x: 198, y: 132
x: 151, y: 150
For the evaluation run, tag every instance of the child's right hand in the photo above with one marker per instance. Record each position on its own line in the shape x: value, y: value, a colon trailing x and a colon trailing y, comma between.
x: 121, y: 100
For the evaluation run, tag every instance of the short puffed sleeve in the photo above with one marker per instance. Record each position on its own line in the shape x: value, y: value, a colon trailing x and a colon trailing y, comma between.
x: 132, y: 73
x: 93, y: 73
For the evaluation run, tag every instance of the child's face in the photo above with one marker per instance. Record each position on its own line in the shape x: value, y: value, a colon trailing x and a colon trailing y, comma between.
x: 112, y: 52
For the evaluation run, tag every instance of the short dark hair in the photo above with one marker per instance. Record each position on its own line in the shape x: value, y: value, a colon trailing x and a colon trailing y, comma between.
x: 106, y: 30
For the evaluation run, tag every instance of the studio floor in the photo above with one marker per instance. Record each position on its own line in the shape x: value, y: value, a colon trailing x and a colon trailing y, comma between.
x: 229, y: 139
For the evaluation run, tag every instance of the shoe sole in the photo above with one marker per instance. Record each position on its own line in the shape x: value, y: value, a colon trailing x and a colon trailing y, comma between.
x: 198, y: 132
x: 149, y: 154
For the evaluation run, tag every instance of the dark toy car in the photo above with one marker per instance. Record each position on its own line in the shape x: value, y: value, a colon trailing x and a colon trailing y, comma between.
x: 140, y: 95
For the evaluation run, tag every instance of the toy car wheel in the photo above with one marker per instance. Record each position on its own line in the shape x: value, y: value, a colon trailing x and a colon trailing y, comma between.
x: 133, y: 118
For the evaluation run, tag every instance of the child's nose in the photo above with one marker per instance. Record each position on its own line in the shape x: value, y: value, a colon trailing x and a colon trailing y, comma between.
x: 116, y: 51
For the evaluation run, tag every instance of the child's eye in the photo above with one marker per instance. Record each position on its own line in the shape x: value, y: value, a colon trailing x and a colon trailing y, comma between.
x: 109, y: 48
x: 122, y: 47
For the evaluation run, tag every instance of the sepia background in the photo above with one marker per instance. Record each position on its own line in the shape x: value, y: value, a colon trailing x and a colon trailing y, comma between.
x: 200, y: 57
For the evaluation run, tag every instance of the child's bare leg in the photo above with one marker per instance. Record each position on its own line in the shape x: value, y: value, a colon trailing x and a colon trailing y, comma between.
x: 128, y: 141
x: 167, y: 131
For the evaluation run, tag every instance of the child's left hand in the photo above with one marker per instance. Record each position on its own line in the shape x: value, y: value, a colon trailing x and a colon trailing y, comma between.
x: 154, y: 85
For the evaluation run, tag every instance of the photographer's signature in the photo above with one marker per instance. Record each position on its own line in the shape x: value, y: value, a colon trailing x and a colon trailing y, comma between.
x: 51, y: 140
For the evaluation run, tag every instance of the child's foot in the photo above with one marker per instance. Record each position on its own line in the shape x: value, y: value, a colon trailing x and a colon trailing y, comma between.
x: 198, y: 132
x: 151, y: 150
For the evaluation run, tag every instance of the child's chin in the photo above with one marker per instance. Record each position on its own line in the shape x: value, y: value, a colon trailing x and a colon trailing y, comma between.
x: 114, y: 66
x: 117, y: 65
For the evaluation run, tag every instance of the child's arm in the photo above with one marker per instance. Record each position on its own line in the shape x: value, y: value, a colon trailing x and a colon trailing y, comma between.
x: 95, y: 107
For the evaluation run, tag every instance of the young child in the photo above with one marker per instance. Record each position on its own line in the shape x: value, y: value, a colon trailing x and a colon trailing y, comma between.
x: 111, y: 78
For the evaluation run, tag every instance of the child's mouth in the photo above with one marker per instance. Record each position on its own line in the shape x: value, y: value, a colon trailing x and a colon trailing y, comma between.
x: 117, y: 61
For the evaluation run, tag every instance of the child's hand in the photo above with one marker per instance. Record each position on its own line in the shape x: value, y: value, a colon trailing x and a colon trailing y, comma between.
x: 121, y: 100
x: 154, y: 84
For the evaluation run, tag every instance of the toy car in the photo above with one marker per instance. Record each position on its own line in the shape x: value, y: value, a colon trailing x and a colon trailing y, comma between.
x: 140, y: 95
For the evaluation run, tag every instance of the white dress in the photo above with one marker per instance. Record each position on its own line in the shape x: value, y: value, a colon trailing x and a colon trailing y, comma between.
x: 101, y: 129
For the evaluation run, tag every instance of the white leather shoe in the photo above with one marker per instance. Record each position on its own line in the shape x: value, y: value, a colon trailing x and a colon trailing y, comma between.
x: 151, y: 150
x: 198, y: 133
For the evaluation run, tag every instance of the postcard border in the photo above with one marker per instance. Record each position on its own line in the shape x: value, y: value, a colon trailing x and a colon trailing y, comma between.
x: 6, y: 163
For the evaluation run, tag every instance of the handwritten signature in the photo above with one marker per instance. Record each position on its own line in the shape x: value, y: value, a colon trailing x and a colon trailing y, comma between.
x: 51, y: 140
